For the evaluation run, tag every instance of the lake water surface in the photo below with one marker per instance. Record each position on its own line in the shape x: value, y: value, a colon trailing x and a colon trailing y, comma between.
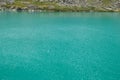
x: 59, y: 46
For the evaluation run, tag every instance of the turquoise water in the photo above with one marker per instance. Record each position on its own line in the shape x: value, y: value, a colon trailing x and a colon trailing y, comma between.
x: 59, y: 46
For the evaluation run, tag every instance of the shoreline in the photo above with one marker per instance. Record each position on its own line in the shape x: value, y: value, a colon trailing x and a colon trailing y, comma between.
x: 54, y: 10
x: 54, y: 7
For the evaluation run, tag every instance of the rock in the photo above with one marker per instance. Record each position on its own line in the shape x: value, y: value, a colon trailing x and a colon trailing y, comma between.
x: 25, y: 2
x: 109, y: 9
x: 25, y: 8
x: 2, y: 3
x: 12, y: 7
x: 118, y: 5
x: 51, y: 7
x: 32, y: 7
x: 19, y: 9
x: 10, y: 1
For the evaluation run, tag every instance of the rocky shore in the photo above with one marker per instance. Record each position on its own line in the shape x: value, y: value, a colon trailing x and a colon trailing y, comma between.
x: 65, y: 5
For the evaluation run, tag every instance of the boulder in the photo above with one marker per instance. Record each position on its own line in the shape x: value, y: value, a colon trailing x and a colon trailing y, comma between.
x: 3, y: 3
x: 51, y: 7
